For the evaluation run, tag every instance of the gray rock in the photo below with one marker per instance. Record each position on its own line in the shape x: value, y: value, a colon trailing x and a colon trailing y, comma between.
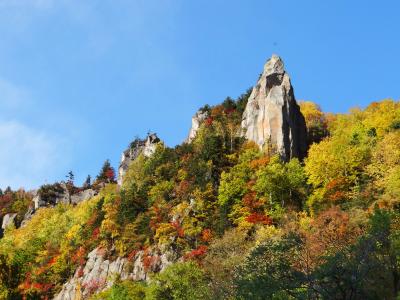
x: 8, y: 220
x: 100, y: 273
x: 197, y: 119
x: 272, y: 117
x: 28, y: 215
x: 147, y: 147
x: 38, y: 202
x: 83, y: 196
x: 62, y: 196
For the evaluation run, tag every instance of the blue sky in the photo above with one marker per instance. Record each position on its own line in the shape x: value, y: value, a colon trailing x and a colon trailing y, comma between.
x: 80, y: 79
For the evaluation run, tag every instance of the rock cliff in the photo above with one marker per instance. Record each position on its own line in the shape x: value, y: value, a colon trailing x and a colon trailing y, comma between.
x: 8, y: 220
x: 99, y: 273
x: 59, y: 193
x: 138, y: 146
x: 272, y: 117
x: 197, y: 119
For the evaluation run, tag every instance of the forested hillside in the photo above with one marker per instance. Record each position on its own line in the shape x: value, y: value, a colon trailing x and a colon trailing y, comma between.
x: 222, y: 218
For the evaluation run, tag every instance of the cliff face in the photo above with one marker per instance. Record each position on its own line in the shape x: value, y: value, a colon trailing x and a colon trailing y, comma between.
x: 147, y: 147
x: 99, y: 272
x: 197, y: 119
x: 272, y: 117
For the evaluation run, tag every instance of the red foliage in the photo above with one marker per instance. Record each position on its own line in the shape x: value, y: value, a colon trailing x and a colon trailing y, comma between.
x: 79, y: 256
x: 179, y: 229
x: 196, y: 253
x: 259, y: 218
x: 95, y: 233
x: 5, y: 202
x: 110, y: 174
x: 208, y: 121
x: 94, y: 285
x: 149, y: 260
x: 41, y: 288
x: 80, y: 271
x: 229, y: 111
x: 132, y: 255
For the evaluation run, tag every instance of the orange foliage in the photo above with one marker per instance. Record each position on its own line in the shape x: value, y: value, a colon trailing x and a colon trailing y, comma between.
x: 217, y: 111
x: 256, y: 218
x: 250, y: 200
x: 206, y: 235
x: 79, y: 256
x: 331, y: 232
x: 183, y: 189
x: 260, y: 162
x: 156, y: 218
x: 336, y: 189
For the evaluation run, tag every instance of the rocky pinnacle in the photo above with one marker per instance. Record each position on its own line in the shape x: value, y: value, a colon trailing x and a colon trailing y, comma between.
x: 272, y: 117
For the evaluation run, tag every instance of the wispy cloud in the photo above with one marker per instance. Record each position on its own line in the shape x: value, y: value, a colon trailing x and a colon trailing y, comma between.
x: 28, y: 156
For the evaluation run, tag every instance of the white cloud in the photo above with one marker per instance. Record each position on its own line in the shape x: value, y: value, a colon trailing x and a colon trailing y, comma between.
x: 28, y: 157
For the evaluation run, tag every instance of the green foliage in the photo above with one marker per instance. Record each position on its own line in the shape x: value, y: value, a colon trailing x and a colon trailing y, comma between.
x: 49, y: 192
x: 223, y: 256
x: 179, y: 281
x: 268, y: 271
x: 42, y: 253
x: 283, y: 183
x: 316, y: 122
x: 125, y: 290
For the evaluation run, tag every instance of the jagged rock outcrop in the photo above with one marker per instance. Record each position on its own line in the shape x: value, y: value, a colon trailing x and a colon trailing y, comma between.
x: 138, y: 146
x: 197, y: 119
x: 51, y: 195
x: 272, y: 117
x: 8, y: 219
x: 59, y: 193
x: 28, y: 215
x: 99, y: 273
x: 83, y: 196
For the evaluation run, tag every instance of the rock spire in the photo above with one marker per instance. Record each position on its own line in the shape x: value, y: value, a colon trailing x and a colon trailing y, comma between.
x: 272, y: 117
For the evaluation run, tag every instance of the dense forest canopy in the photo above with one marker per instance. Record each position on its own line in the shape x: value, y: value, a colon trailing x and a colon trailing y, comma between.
x: 244, y: 224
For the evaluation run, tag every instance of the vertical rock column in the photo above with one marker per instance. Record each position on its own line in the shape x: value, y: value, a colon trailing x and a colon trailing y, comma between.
x: 272, y: 116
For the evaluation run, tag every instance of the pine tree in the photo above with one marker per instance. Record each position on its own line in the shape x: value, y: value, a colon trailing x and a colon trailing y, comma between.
x: 70, y: 178
x: 107, y: 173
x: 88, y: 182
